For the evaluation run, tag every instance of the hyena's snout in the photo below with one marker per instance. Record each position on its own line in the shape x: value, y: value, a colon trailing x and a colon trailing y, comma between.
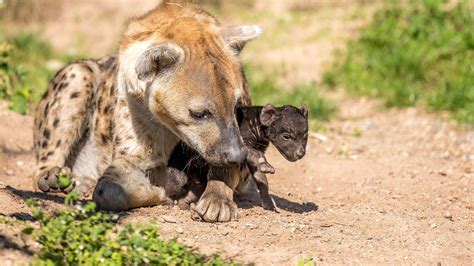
x: 235, y: 155
x: 231, y: 146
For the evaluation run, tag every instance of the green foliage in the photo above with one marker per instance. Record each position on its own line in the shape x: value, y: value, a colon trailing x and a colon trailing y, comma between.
x: 420, y: 51
x: 266, y: 90
x: 309, y: 261
x: 78, y: 235
x: 356, y: 132
x: 24, y: 72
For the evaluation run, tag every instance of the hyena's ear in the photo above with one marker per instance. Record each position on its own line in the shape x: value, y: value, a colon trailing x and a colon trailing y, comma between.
x: 269, y: 115
x: 156, y: 59
x: 236, y: 37
x: 304, y: 110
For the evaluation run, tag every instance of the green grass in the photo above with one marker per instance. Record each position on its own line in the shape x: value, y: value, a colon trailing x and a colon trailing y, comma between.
x: 417, y: 52
x: 24, y: 71
x: 264, y: 89
x: 78, y: 235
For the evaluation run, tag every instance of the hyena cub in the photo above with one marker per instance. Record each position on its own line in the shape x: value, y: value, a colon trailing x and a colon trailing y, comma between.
x: 286, y: 127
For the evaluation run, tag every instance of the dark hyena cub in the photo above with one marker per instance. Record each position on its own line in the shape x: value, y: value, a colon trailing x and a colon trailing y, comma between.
x: 286, y: 127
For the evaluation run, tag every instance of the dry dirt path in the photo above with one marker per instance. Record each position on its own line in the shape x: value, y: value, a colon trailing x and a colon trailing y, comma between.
x: 401, y: 192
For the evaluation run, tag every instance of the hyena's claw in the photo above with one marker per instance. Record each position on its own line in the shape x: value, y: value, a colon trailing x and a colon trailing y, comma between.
x: 56, y: 179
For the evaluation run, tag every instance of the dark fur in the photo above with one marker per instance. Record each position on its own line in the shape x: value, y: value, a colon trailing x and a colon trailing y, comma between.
x: 286, y: 127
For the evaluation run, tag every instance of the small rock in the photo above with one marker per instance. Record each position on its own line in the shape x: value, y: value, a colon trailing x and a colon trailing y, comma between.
x: 168, y: 219
x: 10, y: 172
x: 326, y: 225
x: 179, y: 230
x: 434, y: 225
x: 224, y: 233
x: 20, y: 163
x: 354, y: 157
x: 320, y: 137
x: 448, y: 216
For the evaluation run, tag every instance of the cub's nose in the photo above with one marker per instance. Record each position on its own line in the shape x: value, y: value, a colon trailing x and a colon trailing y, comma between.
x: 300, y: 153
x: 235, y: 156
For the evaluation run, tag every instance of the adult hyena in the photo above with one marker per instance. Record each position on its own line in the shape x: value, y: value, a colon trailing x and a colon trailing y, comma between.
x: 113, y: 122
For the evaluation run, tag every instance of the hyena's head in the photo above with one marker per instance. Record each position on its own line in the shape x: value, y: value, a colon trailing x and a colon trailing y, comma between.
x: 185, y: 68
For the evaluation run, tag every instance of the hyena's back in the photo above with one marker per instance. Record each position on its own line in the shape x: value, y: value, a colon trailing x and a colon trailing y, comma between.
x: 73, y: 122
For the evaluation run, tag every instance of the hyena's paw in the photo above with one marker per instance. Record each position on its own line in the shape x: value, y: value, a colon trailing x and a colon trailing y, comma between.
x: 266, y: 168
x: 84, y: 186
x: 56, y: 179
x: 213, y: 207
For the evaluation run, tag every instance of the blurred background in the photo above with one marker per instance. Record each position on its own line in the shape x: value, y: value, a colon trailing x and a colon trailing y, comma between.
x: 407, y: 53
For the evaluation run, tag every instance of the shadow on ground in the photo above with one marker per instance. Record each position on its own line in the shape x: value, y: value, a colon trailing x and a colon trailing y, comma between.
x: 7, y: 243
x: 24, y: 195
x: 251, y: 199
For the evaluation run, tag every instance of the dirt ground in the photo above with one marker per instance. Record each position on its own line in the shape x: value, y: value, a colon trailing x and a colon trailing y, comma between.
x: 401, y: 192
x: 379, y: 186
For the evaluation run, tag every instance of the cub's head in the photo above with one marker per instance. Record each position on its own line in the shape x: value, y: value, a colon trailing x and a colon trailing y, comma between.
x: 287, y: 129
x: 184, y: 67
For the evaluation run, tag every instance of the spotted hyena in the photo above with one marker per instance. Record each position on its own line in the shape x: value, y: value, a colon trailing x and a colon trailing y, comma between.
x: 112, y: 123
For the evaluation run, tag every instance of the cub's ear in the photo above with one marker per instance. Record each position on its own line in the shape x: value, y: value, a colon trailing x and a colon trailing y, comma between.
x: 269, y: 115
x: 304, y: 110
x: 236, y: 37
x: 157, y: 58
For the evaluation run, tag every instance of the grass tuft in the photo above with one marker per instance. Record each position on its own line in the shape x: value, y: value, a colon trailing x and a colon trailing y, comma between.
x: 264, y: 89
x: 414, y: 52
x: 25, y: 69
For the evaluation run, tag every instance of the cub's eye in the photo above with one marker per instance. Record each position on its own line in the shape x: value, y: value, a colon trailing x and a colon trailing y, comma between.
x: 286, y: 136
x: 200, y: 115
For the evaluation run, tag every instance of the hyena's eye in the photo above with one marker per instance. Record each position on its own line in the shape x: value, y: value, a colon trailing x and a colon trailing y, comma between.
x: 200, y: 115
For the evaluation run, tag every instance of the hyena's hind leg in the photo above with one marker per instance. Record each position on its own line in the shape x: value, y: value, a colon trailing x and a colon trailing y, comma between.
x: 123, y: 187
x: 61, y: 119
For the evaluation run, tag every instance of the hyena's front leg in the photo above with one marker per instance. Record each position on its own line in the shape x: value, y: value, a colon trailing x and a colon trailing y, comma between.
x: 61, y: 120
x: 217, y: 202
x: 123, y: 187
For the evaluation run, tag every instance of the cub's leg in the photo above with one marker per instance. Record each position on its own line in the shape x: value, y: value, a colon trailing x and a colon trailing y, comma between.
x: 257, y: 159
x: 124, y: 187
x: 217, y: 202
x: 179, y: 184
x: 254, y: 160
x: 61, y: 120
x: 176, y: 180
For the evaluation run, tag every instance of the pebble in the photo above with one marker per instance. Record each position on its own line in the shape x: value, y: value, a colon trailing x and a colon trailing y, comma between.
x: 20, y: 163
x: 179, y: 230
x: 326, y: 225
x: 448, y: 215
x: 10, y: 172
x: 168, y: 219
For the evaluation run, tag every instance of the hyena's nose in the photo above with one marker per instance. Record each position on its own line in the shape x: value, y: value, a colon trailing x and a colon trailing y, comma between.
x: 300, y: 153
x: 235, y: 155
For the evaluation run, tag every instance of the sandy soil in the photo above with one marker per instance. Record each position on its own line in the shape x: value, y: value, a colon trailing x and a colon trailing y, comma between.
x: 401, y: 192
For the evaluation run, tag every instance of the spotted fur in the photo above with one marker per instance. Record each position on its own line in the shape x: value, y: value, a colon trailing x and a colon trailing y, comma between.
x: 112, y: 123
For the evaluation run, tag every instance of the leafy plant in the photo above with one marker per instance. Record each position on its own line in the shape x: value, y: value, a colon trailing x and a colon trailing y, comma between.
x: 420, y: 51
x: 79, y: 235
x: 24, y: 71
